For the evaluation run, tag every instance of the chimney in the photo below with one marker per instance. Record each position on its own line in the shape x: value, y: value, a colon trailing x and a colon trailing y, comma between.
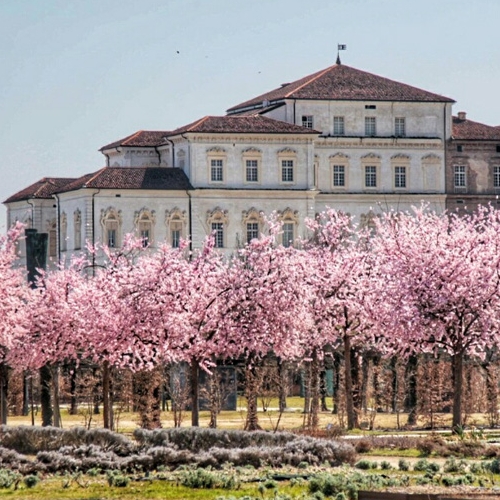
x: 462, y: 115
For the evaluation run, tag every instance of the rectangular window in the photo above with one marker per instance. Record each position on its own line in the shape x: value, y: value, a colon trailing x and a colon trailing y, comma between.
x: 252, y: 170
x: 288, y: 235
x: 218, y: 231
x: 496, y: 176
x: 176, y: 238
x: 252, y: 231
x: 460, y: 176
x: 338, y: 125
x: 399, y: 127
x: 287, y: 170
x: 145, y: 237
x: 400, y: 177
x: 339, y: 175
x: 307, y: 121
x: 370, y: 126
x: 370, y: 176
x: 216, y: 170
x: 112, y: 238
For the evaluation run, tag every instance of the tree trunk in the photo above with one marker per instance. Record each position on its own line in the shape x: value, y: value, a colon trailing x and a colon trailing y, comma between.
x: 45, y: 395
x: 283, y: 381
x: 491, y: 392
x: 336, y: 382
x: 147, y: 397
x: 365, y: 375
x: 55, y: 386
x: 352, y: 419
x: 394, y: 384
x: 314, y: 384
x: 4, y: 386
x: 26, y: 394
x: 411, y: 389
x: 73, y: 408
x: 106, y: 376
x: 252, y: 386
x: 458, y: 368
x: 195, y: 393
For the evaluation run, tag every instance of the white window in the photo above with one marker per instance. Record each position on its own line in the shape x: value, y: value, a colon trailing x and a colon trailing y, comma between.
x: 77, y: 222
x: 287, y: 170
x: 400, y: 177
x: 338, y: 125
x: 112, y: 232
x: 218, y: 232
x: 370, y: 126
x: 370, y: 176
x: 216, y: 170
x: 252, y: 170
x: 111, y: 223
x: 338, y: 175
x: 307, y: 121
x: 64, y: 232
x: 288, y: 234
x: 496, y: 176
x: 252, y: 231
x: 460, y: 176
x: 52, y: 239
x: 175, y: 220
x: 399, y: 127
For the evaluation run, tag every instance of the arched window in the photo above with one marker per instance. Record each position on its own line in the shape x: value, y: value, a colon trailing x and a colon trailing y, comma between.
x: 111, y: 222
x: 217, y: 221
x: 144, y: 221
x: 252, y: 224
x: 77, y: 225
x: 52, y: 230
x: 290, y: 220
x: 64, y: 232
x: 175, y: 220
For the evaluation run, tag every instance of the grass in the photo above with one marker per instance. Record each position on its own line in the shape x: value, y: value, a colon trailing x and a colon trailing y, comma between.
x: 52, y: 489
x: 292, y: 418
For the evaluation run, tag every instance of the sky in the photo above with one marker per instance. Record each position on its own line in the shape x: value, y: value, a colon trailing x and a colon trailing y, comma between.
x: 78, y: 74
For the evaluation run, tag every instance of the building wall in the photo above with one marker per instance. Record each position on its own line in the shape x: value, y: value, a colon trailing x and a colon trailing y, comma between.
x: 479, y: 159
x: 421, y: 119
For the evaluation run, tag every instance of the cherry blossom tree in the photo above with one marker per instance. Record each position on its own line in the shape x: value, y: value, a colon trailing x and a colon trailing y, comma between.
x: 263, y: 308
x: 441, y: 286
x: 339, y: 276
x: 13, y: 295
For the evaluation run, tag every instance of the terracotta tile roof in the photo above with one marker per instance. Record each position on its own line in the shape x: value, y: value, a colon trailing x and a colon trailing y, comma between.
x: 242, y: 124
x: 257, y: 111
x: 132, y: 178
x: 468, y: 130
x: 42, y: 189
x: 343, y: 83
x: 142, y: 138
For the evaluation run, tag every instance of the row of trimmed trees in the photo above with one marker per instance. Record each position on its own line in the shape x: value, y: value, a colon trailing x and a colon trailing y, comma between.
x: 417, y: 283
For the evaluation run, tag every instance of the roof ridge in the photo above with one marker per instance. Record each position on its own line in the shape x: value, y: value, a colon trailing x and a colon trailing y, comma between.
x: 133, y: 136
x: 95, y: 175
x: 314, y: 77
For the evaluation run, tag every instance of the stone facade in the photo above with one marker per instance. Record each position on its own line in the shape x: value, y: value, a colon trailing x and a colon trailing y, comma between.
x: 340, y: 138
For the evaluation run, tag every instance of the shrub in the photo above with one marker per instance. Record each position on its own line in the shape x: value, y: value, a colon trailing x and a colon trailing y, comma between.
x: 385, y: 465
x: 363, y: 446
x: 363, y: 465
x: 421, y: 465
x: 7, y: 478
x: 452, y: 465
x: 116, y: 478
x: 494, y: 466
x: 31, y: 481
x: 403, y: 465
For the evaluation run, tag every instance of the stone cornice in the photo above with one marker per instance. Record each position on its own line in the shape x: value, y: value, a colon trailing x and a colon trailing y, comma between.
x: 377, y: 143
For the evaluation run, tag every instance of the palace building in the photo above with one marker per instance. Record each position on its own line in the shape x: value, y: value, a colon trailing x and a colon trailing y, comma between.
x: 340, y: 138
